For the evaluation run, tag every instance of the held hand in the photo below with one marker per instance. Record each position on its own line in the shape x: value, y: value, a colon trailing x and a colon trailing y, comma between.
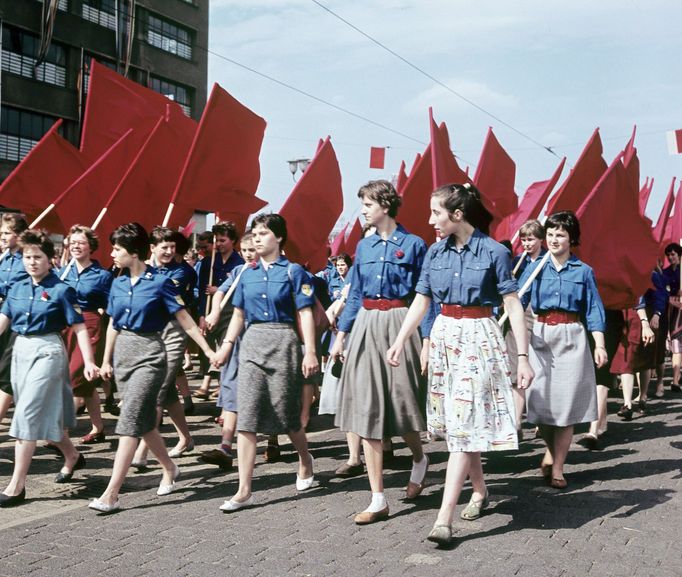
x: 212, y: 319
x: 331, y: 317
x: 393, y: 354
x: 106, y: 371
x: 90, y: 371
x: 424, y: 356
x: 647, y: 334
x: 310, y: 365
x: 524, y: 373
x: 600, y: 357
x: 202, y: 325
x: 211, y: 290
x: 654, y: 322
x: 337, y: 349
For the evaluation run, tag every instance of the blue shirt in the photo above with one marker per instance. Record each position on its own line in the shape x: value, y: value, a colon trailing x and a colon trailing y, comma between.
x: 475, y: 275
x: 11, y: 271
x: 47, y: 307
x: 526, y: 261
x: 672, y: 279
x: 183, y: 276
x: 146, y: 306
x: 220, y: 272
x: 572, y: 289
x: 336, y: 284
x: 273, y: 295
x: 383, y: 269
x: 656, y: 298
x: 92, y: 285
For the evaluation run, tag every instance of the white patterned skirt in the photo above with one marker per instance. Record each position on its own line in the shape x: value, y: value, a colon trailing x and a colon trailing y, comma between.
x: 470, y: 401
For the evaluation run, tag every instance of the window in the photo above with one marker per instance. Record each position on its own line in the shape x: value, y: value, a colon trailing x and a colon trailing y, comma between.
x: 102, y: 12
x: 87, y: 60
x: 19, y: 51
x: 62, y: 5
x: 180, y: 94
x: 20, y: 131
x: 167, y: 36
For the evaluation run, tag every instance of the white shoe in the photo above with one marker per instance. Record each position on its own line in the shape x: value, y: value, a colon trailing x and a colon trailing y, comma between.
x: 230, y: 506
x: 304, y: 484
x: 102, y: 507
x: 174, y: 453
x: 168, y: 489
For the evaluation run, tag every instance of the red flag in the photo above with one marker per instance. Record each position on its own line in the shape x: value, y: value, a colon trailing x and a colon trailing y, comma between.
x: 616, y: 240
x: 581, y: 180
x: 222, y: 169
x: 495, y: 176
x: 377, y: 156
x: 401, y: 179
x: 415, y: 209
x: 661, y: 228
x: 674, y: 138
x: 188, y: 228
x: 644, y: 194
x: 312, y: 209
x: 354, y: 237
x: 631, y: 162
x: 444, y: 167
x: 116, y: 104
x: 339, y: 243
x: 673, y: 230
x: 49, y: 168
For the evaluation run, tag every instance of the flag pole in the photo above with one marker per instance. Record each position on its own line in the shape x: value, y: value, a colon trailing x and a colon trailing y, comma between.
x: 210, y: 278
x: 527, y: 284
x: 231, y: 290
x: 518, y: 264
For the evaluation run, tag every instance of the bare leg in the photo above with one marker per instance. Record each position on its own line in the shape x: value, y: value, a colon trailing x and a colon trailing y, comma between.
x: 562, y: 444
x: 644, y: 379
x: 659, y: 378
x: 95, y: 412
x: 374, y: 458
x: 177, y: 414
x: 414, y: 442
x: 305, y: 462
x: 183, y: 386
x: 306, y: 401
x: 627, y: 382
x: 246, y: 456
x: 476, y: 477
x: 354, y: 441
x: 599, y: 426
x: 23, y: 453
x: 459, y: 467
x: 69, y: 451
x: 677, y: 363
x: 5, y: 402
x: 155, y: 443
x: 229, y: 427
x: 122, y: 460
x: 547, y: 434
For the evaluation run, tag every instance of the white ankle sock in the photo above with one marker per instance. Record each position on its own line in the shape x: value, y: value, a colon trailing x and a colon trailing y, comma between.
x: 377, y: 504
x: 418, y: 470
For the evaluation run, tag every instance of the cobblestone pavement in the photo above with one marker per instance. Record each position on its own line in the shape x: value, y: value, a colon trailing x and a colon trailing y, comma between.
x: 621, y: 514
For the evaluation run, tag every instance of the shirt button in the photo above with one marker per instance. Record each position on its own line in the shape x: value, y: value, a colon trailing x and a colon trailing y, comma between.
x: 456, y: 274
x: 27, y: 314
x: 381, y: 258
x: 378, y: 296
x: 30, y: 298
x: 265, y: 296
x: 266, y: 314
x: 395, y: 238
x: 130, y: 292
x: 384, y: 243
x: 378, y: 276
x: 127, y: 310
x: 556, y: 293
x: 265, y: 278
x: 125, y: 326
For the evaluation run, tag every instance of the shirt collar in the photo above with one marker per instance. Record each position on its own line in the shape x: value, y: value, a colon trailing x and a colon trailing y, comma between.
x: 472, y: 244
x: 48, y: 281
x: 281, y: 261
x: 396, y: 237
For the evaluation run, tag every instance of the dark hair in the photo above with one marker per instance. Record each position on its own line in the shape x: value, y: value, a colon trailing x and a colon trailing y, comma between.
x: 16, y: 222
x: 39, y: 238
x: 383, y: 193
x: 91, y: 235
x: 673, y: 247
x: 467, y: 198
x: 567, y: 220
x: 506, y: 243
x: 273, y: 222
x: 226, y: 228
x: 182, y: 244
x: 132, y: 237
x: 366, y: 228
x: 161, y: 234
x: 532, y: 227
x: 206, y: 236
x: 247, y: 237
x: 345, y: 258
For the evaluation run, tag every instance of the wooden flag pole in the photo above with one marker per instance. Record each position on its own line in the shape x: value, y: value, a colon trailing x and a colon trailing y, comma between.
x: 518, y: 264
x: 232, y: 288
x: 527, y: 284
x: 169, y: 211
x: 210, y: 279
x: 42, y: 215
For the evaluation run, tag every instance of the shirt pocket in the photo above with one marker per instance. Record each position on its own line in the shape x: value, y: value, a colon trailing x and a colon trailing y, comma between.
x: 573, y: 294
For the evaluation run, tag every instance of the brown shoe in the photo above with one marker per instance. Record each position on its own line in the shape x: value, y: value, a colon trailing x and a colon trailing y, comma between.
x: 347, y: 470
x: 272, y: 454
x: 365, y: 518
x: 413, y: 490
x: 558, y: 483
x: 217, y: 457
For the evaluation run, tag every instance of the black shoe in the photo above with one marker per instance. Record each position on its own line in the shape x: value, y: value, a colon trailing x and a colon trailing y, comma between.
x: 66, y: 477
x: 12, y: 500
x: 589, y: 441
x: 625, y: 413
x: 675, y: 388
x: 641, y: 407
x: 188, y: 405
x: 111, y: 407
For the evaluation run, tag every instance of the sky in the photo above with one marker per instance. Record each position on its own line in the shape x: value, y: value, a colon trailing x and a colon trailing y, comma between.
x: 552, y: 70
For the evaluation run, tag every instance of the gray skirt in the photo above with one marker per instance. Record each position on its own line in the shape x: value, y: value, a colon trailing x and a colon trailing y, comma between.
x: 377, y: 400
x: 140, y: 368
x: 175, y: 340
x: 564, y: 391
x: 42, y: 388
x: 229, y: 381
x: 270, y: 380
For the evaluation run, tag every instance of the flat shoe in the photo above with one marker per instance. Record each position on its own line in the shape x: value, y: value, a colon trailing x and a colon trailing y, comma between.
x: 558, y: 483
x: 366, y: 517
x: 441, y: 534
x: 413, y: 490
x: 175, y: 452
x: 474, y: 509
x: 139, y: 464
x: 304, y: 484
x: 92, y: 438
x: 589, y: 441
x: 231, y: 506
x: 204, y: 396
x: 272, y: 454
x: 217, y: 457
x: 546, y: 471
x: 102, y: 507
x: 168, y: 489
x: 347, y: 470
x: 66, y: 477
x: 12, y: 500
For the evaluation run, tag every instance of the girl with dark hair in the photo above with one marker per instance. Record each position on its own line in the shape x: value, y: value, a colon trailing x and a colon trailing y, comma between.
x: 374, y: 402
x: 270, y: 294
x: 470, y: 400
x: 343, y: 263
x: 141, y: 303
x: 38, y: 309
x: 564, y: 296
x: 671, y: 273
x: 91, y: 283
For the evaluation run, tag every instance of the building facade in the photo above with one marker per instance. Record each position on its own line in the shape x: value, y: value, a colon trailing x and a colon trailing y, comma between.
x: 161, y: 44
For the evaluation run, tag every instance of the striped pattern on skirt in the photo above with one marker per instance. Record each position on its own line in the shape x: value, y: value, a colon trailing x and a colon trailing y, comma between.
x: 470, y: 401
x: 564, y: 391
x: 270, y: 379
x: 376, y: 399
x: 140, y: 368
x: 42, y: 389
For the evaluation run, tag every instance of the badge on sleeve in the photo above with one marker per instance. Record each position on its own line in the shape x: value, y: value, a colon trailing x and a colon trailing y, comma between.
x: 176, y: 282
x: 179, y: 300
x: 77, y: 308
x: 306, y: 289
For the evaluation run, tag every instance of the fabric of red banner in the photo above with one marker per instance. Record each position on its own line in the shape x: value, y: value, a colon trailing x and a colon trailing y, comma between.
x: 673, y: 229
x: 495, y: 176
x: 644, y: 194
x: 354, y: 237
x: 401, y: 179
x: 415, y: 209
x: 339, y: 243
x: 661, y: 227
x: 312, y: 208
x: 377, y: 157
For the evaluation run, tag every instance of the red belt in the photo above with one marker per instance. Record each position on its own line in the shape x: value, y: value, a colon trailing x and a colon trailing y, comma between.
x: 558, y: 317
x: 460, y: 312
x: 383, y: 304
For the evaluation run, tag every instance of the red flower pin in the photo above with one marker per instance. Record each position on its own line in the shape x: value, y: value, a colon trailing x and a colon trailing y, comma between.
x: 399, y: 253
x: 44, y: 296
x: 253, y: 264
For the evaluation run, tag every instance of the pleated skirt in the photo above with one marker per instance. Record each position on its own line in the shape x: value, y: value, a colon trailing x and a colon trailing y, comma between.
x: 270, y: 380
x: 42, y: 389
x: 377, y: 400
x: 470, y: 401
x: 140, y: 368
x: 564, y: 391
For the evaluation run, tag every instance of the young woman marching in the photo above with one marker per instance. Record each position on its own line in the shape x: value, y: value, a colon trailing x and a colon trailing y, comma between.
x: 470, y: 400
